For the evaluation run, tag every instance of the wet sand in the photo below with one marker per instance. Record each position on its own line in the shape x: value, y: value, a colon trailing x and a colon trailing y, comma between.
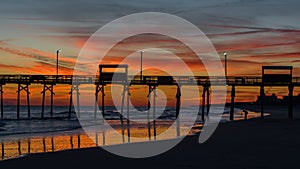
x: 273, y: 142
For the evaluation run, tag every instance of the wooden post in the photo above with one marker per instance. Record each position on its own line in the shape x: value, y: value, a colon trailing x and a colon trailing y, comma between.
x: 77, y: 100
x: 203, y: 103
x: 128, y: 118
x: 26, y: 89
x: 1, y: 93
x: 28, y: 101
x: 207, y: 100
x: 43, y: 100
x: 121, y: 113
x: 148, y: 112
x: 18, y: 101
x: 291, y: 102
x: 262, y: 95
x: 154, y: 113
x: 45, y: 89
x: 96, y: 101
x: 70, y: 105
x: 232, y: 103
x: 103, y: 106
x: 178, y: 100
x: 51, y: 101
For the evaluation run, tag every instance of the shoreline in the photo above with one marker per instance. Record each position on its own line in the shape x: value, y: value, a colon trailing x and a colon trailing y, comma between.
x: 252, y: 143
x: 243, y: 136
x: 253, y: 139
x: 44, y: 136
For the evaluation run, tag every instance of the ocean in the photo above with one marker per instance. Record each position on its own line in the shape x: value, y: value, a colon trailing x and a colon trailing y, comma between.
x: 24, y: 136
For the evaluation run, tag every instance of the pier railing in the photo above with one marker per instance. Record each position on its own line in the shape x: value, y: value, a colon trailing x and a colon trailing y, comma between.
x: 136, y: 80
x: 100, y: 81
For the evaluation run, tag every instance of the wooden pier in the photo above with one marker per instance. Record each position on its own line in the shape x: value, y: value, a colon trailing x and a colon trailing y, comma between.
x: 105, y: 78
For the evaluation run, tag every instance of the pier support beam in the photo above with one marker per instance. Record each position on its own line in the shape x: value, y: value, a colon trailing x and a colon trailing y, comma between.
x: 205, y: 95
x: 128, y: 118
x: 122, y: 111
x: 203, y: 103
x: 103, y: 101
x: 207, y: 100
x: 262, y: 98
x: 71, y: 102
x: 47, y: 87
x: 152, y: 89
x: 148, y: 112
x: 74, y: 87
x: 232, y: 103
x: 178, y: 101
x: 154, y: 112
x: 98, y: 89
x: 1, y: 95
x: 24, y: 87
x: 291, y: 102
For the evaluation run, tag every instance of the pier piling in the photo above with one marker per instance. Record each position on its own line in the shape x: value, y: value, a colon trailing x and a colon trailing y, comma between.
x: 22, y: 87
x: 232, y: 103
x: 148, y: 112
x: 203, y: 103
x: 178, y: 101
x: 262, y: 95
x: 76, y: 88
x: 1, y: 95
x: 207, y: 100
x: 47, y: 87
x: 291, y: 102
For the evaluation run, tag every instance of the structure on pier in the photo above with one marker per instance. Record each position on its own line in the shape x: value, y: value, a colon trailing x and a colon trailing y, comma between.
x: 278, y: 79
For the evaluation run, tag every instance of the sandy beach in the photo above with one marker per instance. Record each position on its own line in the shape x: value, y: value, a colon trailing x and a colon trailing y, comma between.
x: 272, y: 142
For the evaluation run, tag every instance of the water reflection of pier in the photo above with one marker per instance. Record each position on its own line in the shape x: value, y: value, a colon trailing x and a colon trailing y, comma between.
x: 11, y: 148
x: 15, y: 148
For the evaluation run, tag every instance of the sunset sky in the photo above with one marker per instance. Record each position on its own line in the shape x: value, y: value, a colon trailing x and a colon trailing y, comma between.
x: 253, y: 33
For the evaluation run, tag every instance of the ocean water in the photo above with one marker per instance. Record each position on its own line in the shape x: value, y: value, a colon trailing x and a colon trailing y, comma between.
x: 31, y: 135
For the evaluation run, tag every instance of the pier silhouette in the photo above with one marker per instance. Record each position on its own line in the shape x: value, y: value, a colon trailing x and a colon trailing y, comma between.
x: 105, y: 78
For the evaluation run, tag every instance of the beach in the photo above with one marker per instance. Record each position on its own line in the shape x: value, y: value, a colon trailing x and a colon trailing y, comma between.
x: 272, y: 142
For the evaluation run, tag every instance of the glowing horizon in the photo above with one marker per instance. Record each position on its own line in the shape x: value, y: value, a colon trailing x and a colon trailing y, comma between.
x: 252, y: 33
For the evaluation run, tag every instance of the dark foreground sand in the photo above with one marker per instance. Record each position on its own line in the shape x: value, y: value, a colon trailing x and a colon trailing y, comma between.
x: 255, y: 143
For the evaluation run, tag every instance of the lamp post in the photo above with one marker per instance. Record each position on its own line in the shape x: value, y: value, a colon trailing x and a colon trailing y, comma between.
x: 225, y: 55
x: 141, y: 66
x: 57, y: 52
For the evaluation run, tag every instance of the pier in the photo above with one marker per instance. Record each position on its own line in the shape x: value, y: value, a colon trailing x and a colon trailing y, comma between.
x: 100, y: 81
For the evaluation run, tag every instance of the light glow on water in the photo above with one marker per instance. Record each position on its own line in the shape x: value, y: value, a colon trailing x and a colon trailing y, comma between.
x: 26, y: 136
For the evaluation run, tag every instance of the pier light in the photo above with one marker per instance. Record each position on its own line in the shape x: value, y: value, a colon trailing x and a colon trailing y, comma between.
x: 57, y: 52
x: 225, y: 55
x: 141, y: 65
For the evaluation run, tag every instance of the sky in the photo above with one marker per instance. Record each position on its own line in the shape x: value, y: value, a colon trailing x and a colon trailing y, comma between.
x: 253, y: 33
